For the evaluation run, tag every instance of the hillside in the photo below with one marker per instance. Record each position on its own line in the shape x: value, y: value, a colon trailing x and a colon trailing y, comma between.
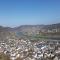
x: 30, y: 30
x: 35, y: 29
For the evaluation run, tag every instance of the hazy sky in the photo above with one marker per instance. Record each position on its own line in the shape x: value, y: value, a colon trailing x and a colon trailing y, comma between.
x: 20, y: 12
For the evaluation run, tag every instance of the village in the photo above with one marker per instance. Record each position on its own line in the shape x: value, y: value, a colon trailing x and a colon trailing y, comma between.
x: 26, y: 50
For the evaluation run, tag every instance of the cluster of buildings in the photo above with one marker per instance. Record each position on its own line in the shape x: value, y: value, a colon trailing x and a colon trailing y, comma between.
x: 27, y: 50
x: 57, y: 30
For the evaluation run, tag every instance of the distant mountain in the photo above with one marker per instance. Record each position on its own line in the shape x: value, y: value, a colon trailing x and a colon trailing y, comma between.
x: 34, y: 28
x: 5, y: 28
x: 52, y: 26
x: 5, y: 32
x: 25, y: 29
x: 29, y: 28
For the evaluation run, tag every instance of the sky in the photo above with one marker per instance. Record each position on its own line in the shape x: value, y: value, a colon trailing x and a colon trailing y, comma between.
x: 29, y: 12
